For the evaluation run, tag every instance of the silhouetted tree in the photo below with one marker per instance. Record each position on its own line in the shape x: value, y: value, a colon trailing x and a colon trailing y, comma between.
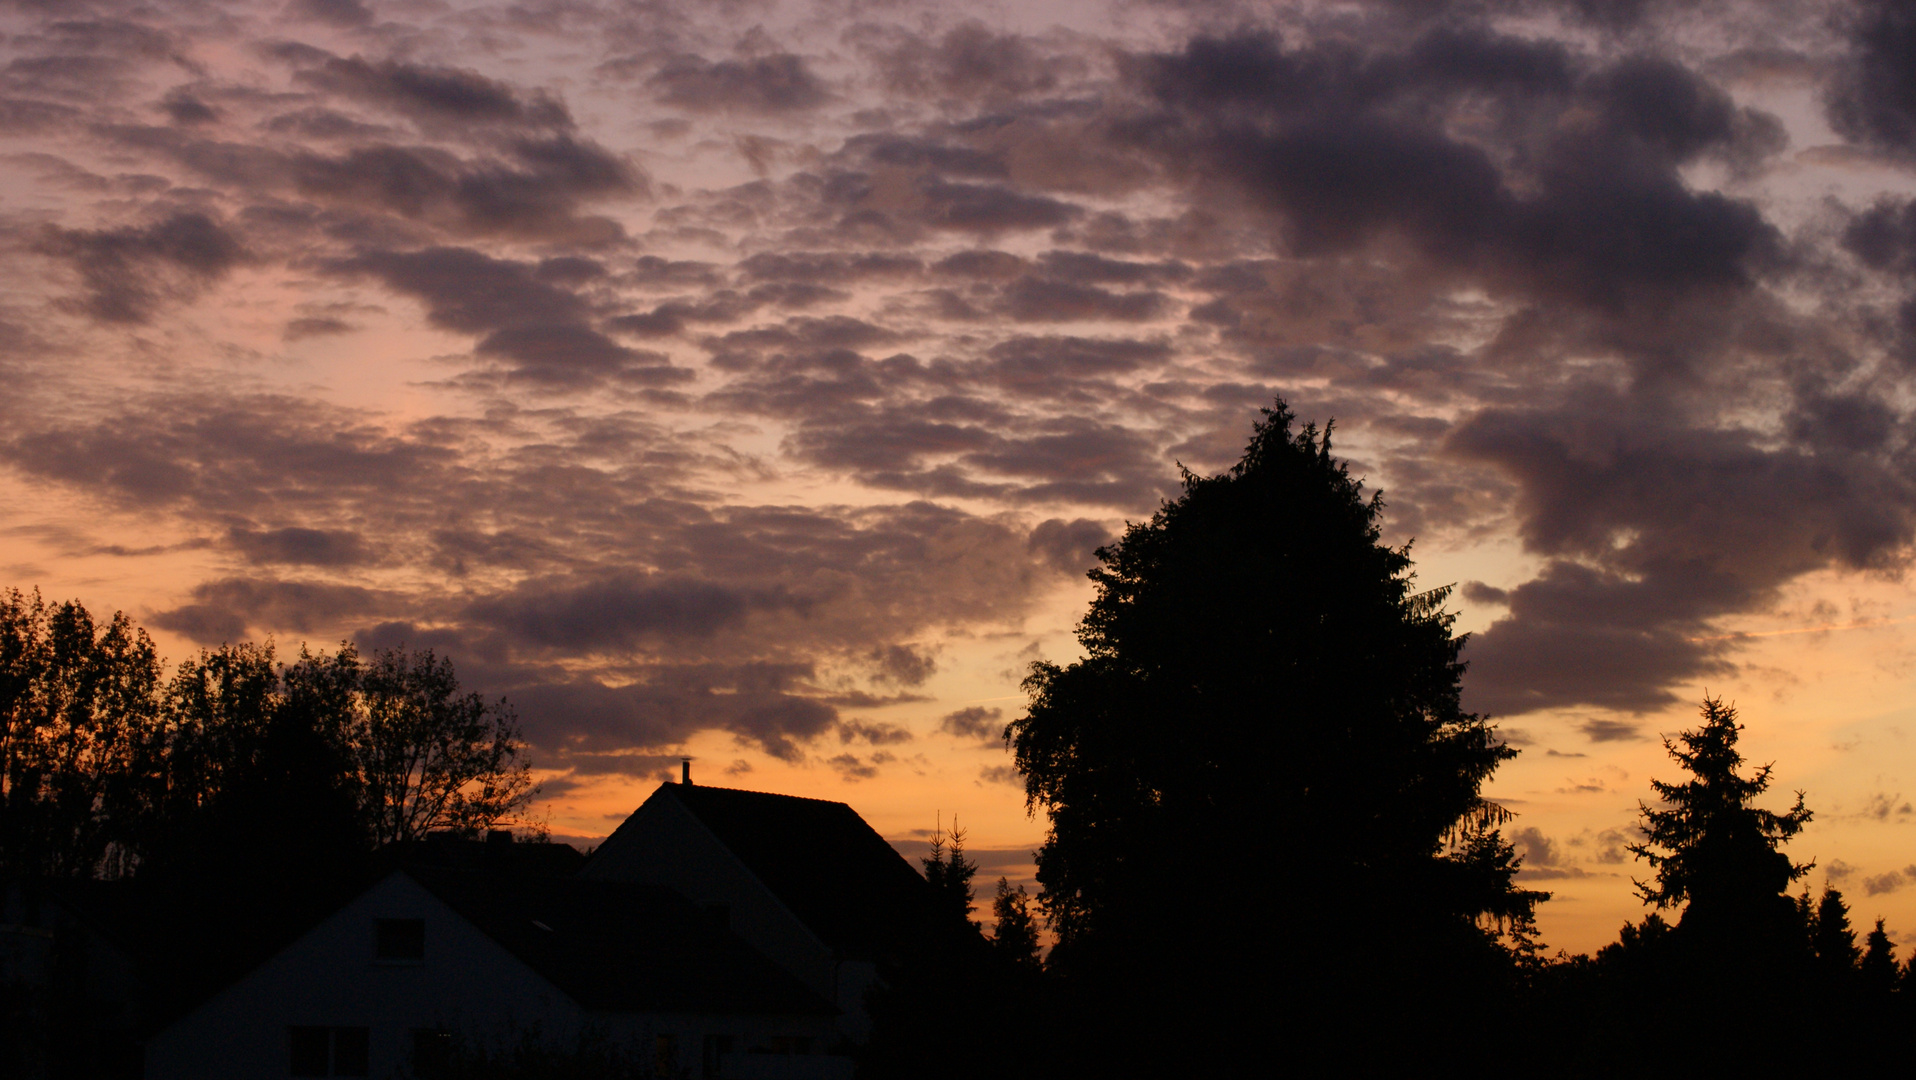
x: 430, y: 757
x: 946, y: 969
x: 309, y: 753
x: 1015, y: 939
x: 1638, y: 940
x: 105, y: 769
x: 1737, y: 970
x: 1713, y: 848
x: 1833, y: 940
x: 1877, y: 970
x: 949, y: 874
x: 1265, y: 729
x: 216, y: 712
x: 77, y: 700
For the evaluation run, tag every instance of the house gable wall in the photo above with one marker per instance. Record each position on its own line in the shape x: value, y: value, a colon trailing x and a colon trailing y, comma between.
x: 329, y: 977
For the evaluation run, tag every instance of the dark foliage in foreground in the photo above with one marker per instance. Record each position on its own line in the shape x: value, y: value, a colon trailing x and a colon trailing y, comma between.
x: 1746, y: 981
x: 205, y: 817
x: 1262, y: 789
x: 1267, y: 845
x: 108, y: 771
x: 955, y: 1004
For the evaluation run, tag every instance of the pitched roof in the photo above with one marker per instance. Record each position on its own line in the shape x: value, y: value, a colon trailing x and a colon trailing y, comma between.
x: 620, y: 946
x: 190, y: 937
x: 821, y: 859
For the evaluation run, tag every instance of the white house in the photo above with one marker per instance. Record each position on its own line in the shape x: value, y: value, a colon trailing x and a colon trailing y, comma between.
x: 806, y: 881
x: 385, y: 985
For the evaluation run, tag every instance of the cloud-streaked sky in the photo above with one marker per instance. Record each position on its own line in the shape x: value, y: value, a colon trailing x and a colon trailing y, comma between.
x: 753, y: 380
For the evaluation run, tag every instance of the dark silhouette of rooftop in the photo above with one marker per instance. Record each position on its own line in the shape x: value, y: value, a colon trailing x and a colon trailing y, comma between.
x: 835, y: 873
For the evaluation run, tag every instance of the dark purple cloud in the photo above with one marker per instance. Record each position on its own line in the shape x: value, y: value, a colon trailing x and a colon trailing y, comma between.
x: 878, y: 734
x: 213, y: 456
x: 129, y: 272
x: 777, y: 83
x: 1348, y: 148
x: 564, y: 719
x: 1048, y: 299
x: 1655, y: 528
x: 542, y: 330
x: 233, y: 609
x: 968, y: 61
x: 435, y: 95
x: 1069, y: 546
x: 535, y: 188
x: 944, y: 158
x: 978, y: 722
x: 988, y: 208
x: 589, y: 616
x: 1883, y: 238
x: 1871, y: 98
x: 311, y: 547
x: 343, y: 13
x: 1538, y: 277
x: 829, y: 267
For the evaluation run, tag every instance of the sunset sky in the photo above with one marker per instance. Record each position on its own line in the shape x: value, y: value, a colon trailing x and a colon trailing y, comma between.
x: 753, y: 380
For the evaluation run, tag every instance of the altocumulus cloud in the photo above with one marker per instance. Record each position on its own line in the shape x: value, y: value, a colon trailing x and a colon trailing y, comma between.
x: 530, y: 352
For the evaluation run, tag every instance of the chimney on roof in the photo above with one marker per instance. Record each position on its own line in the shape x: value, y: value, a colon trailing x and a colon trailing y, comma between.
x: 685, y: 771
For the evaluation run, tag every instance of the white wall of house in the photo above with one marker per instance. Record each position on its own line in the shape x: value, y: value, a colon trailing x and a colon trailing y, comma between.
x: 330, y: 978
x: 466, y: 983
x: 855, y: 979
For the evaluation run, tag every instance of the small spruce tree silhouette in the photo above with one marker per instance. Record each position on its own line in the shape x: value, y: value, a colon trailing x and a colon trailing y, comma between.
x: 1016, y: 937
x: 1713, y: 848
x: 1877, y: 970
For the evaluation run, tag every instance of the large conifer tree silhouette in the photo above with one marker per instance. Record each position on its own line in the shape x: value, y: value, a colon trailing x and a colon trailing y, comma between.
x: 1261, y: 772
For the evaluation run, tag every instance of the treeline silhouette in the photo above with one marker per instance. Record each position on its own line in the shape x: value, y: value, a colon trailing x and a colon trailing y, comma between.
x: 1748, y: 977
x: 212, y: 810
x: 1269, y: 849
x: 1268, y: 846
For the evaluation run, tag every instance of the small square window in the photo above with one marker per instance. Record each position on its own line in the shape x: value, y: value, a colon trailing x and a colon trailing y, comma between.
x: 311, y: 1050
x: 352, y: 1051
x: 399, y: 939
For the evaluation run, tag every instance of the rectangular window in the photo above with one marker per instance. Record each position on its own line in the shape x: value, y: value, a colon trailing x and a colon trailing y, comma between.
x: 665, y: 1057
x: 352, y: 1051
x: 399, y: 939
x: 716, y: 1047
x: 431, y: 1054
x: 312, y: 1050
x: 330, y: 1051
x: 790, y: 1044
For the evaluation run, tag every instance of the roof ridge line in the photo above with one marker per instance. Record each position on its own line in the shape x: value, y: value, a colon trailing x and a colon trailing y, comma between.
x: 674, y: 784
